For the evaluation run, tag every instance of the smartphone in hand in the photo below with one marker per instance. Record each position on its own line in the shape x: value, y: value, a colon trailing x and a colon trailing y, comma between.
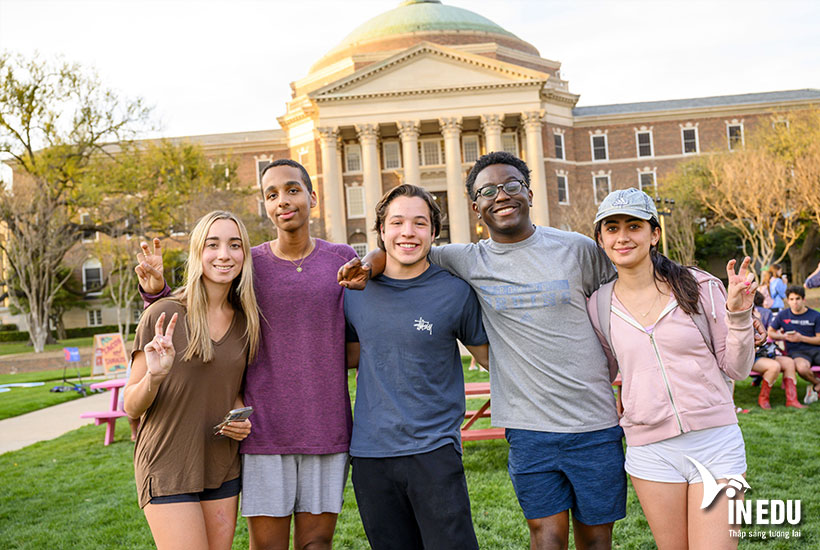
x: 233, y: 415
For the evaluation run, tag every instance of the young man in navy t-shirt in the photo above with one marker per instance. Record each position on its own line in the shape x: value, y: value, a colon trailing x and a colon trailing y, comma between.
x: 402, y: 330
x: 799, y: 327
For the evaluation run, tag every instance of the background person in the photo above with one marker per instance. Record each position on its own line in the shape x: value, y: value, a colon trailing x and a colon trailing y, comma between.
x: 676, y: 399
x: 799, y: 327
x: 813, y: 280
x: 777, y: 288
x: 184, y: 379
x: 769, y: 362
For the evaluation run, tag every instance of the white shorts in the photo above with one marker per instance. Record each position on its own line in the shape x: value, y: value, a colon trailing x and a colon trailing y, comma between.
x: 281, y: 485
x: 721, y: 450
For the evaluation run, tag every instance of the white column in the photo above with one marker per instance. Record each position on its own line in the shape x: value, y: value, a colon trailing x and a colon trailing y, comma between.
x: 492, y: 125
x: 369, y: 140
x: 335, y: 219
x: 409, y: 133
x: 456, y: 192
x: 532, y: 122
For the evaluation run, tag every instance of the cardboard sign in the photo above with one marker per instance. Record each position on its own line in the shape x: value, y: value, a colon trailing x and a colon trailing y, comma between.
x: 110, y: 357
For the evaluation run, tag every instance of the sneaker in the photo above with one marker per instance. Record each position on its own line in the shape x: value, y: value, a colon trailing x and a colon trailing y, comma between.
x: 811, y: 396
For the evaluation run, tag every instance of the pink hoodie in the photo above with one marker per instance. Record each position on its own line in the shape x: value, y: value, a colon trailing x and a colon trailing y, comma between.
x: 672, y: 383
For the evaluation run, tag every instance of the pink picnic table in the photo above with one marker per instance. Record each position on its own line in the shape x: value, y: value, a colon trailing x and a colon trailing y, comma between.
x: 110, y: 416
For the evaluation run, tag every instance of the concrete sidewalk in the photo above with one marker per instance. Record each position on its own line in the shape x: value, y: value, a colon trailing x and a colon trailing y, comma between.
x: 20, y: 431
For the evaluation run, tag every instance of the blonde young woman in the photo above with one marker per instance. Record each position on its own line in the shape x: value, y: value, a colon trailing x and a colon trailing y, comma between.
x: 189, y: 360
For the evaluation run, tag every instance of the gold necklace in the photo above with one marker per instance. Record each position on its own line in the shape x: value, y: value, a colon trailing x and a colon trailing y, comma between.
x: 657, y: 297
x: 302, y: 257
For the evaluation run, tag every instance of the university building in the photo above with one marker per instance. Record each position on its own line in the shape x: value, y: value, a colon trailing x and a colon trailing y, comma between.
x: 418, y: 93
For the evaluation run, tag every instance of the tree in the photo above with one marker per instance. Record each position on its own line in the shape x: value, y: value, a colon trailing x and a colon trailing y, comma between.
x: 54, y: 120
x: 66, y: 299
x: 120, y: 288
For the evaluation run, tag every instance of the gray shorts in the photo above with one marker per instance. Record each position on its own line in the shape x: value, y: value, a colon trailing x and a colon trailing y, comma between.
x: 281, y: 485
x: 721, y: 450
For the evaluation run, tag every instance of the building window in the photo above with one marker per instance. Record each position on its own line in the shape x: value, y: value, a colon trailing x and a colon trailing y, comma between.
x: 689, y: 136
x: 88, y: 235
x: 600, y: 189
x: 470, y: 147
x: 644, y: 140
x: 260, y: 207
x: 430, y: 152
x: 260, y: 165
x: 559, y: 146
x: 509, y: 143
x: 92, y: 277
x: 735, y: 134
x: 646, y: 183
x: 563, y: 190
x: 360, y: 248
x: 353, y: 158
x: 599, y: 148
x: 94, y: 317
x: 392, y: 157
x: 355, y: 202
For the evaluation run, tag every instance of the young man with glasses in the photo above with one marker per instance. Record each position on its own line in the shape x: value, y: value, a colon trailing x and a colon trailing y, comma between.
x: 549, y: 379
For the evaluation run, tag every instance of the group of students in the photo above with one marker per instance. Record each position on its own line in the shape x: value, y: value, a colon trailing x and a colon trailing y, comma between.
x: 795, y: 327
x: 552, y: 314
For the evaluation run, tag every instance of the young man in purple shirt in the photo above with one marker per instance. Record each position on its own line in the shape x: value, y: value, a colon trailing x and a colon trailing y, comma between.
x: 799, y: 327
x: 295, y: 461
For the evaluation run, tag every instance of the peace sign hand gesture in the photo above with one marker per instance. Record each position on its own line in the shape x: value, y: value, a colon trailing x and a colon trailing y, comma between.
x: 741, y: 292
x: 160, y: 352
x: 149, y: 268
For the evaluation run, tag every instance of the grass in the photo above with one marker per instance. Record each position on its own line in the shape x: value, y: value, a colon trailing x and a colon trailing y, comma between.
x: 23, y: 400
x: 73, y: 492
x: 9, y: 348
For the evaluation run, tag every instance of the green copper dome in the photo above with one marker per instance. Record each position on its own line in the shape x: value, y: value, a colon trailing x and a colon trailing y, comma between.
x: 421, y: 16
x: 415, y: 21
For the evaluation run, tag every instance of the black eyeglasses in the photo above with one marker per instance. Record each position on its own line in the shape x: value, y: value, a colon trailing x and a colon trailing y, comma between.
x: 512, y: 187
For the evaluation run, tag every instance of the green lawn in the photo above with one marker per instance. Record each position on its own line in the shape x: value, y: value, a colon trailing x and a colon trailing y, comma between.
x: 22, y: 400
x: 9, y: 348
x: 72, y: 492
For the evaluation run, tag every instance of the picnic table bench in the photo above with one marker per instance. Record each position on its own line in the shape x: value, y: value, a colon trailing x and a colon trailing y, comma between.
x: 474, y: 390
x: 110, y: 416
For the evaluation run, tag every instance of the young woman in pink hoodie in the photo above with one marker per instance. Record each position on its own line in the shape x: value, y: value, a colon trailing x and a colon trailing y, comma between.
x: 678, y: 339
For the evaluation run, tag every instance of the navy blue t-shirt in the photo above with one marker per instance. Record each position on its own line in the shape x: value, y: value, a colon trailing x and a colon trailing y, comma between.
x: 807, y: 324
x: 410, y: 388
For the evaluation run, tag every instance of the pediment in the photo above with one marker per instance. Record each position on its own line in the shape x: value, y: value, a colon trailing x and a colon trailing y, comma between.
x: 426, y: 68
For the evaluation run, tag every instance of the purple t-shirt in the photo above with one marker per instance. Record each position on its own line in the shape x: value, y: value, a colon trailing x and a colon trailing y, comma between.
x: 297, y: 385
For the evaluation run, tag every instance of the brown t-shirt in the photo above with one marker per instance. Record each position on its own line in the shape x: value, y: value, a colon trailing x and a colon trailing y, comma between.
x: 177, y: 451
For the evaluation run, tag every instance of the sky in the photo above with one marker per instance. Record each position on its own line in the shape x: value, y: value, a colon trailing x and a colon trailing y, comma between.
x: 213, y: 66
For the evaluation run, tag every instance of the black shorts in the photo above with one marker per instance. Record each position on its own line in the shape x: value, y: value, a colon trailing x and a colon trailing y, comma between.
x: 226, y: 490
x: 415, y: 501
x: 810, y: 355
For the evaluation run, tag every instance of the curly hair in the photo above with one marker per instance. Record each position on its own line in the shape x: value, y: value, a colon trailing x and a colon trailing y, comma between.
x: 496, y: 157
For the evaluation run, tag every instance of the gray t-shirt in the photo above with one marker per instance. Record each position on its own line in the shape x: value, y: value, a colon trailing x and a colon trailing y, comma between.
x: 547, y: 370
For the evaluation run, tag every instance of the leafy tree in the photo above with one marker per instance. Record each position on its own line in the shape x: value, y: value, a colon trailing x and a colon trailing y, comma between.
x: 54, y: 121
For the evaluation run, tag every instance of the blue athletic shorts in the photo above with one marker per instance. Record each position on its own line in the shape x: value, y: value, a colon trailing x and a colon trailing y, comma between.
x: 583, y: 472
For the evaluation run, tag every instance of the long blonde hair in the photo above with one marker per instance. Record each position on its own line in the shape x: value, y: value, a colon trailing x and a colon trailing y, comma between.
x: 241, y: 295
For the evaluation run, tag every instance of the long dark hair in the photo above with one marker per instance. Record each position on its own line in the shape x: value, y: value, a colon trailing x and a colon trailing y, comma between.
x: 679, y: 278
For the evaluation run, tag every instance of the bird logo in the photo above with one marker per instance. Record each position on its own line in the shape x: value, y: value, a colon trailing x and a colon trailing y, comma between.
x: 711, y: 488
